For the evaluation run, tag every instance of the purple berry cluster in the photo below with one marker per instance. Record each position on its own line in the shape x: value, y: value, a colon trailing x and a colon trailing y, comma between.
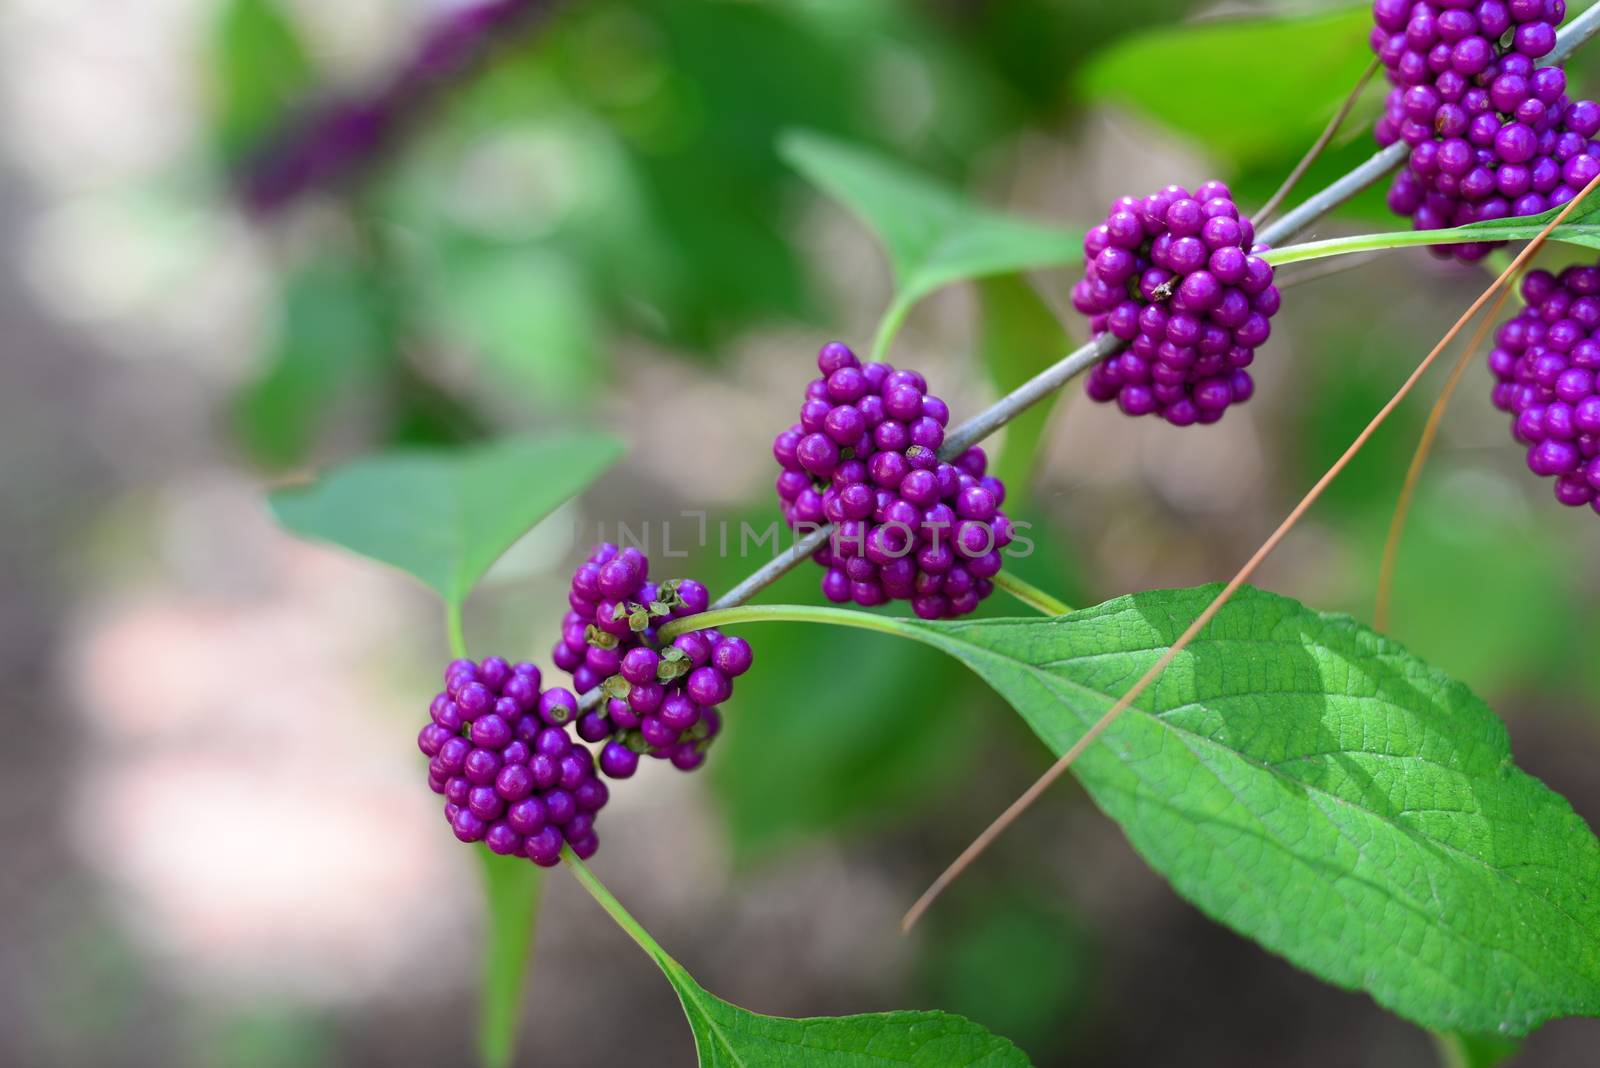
x: 1174, y: 274
x: 658, y: 699
x: 1491, y: 135
x: 865, y: 457
x: 341, y: 135
x: 499, y: 753
x: 1546, y: 364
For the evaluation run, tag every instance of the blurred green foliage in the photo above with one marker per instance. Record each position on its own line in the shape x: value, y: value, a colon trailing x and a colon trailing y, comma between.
x: 834, y: 732
x: 257, y: 73
x: 1494, y: 616
x: 1012, y: 958
x: 614, y: 174
x: 332, y: 343
x: 1227, y: 65
x: 1255, y: 93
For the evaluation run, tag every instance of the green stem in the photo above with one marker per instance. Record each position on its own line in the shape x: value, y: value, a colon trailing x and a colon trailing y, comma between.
x: 889, y: 326
x: 454, y: 630
x: 1524, y: 230
x: 1343, y: 246
x: 1451, y: 1055
x: 608, y: 901
x: 789, y: 613
x: 1031, y: 595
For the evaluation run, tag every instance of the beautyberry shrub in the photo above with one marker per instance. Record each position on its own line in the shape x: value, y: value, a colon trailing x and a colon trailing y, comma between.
x: 653, y: 698
x: 908, y: 526
x: 1174, y: 274
x: 1546, y: 364
x: 499, y: 752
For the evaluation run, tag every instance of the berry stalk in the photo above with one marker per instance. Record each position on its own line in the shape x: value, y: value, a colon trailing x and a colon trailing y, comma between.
x: 608, y: 901
x: 1031, y: 595
x: 790, y: 613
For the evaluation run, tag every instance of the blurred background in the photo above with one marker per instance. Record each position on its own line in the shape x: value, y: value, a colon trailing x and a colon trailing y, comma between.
x: 250, y: 238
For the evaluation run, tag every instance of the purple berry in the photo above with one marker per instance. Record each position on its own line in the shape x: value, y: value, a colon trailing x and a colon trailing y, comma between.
x: 618, y: 761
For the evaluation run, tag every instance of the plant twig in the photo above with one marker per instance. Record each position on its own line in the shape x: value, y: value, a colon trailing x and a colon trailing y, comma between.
x: 1032, y: 794
x: 1031, y: 595
x: 454, y: 632
x: 1275, y: 201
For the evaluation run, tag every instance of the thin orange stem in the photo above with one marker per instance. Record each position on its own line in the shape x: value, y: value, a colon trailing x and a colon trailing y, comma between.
x: 1059, y: 768
x: 1419, y: 459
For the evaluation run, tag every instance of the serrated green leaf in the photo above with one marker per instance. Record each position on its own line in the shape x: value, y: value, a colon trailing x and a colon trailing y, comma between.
x: 933, y: 234
x: 1018, y: 338
x: 258, y: 71
x: 511, y: 894
x: 446, y: 515
x: 1315, y: 787
x: 1249, y: 90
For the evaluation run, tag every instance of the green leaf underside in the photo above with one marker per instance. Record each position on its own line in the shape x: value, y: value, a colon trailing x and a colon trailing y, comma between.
x: 445, y: 516
x: 726, y: 1036
x: 1582, y: 228
x: 933, y: 235
x: 1315, y: 787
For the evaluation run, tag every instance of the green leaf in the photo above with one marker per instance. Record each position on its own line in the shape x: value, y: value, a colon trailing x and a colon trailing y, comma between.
x: 258, y: 71
x: 1018, y: 338
x: 1276, y: 80
x: 933, y: 235
x: 1315, y: 787
x: 511, y: 893
x: 1582, y: 228
x: 726, y: 1036
x: 445, y: 516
